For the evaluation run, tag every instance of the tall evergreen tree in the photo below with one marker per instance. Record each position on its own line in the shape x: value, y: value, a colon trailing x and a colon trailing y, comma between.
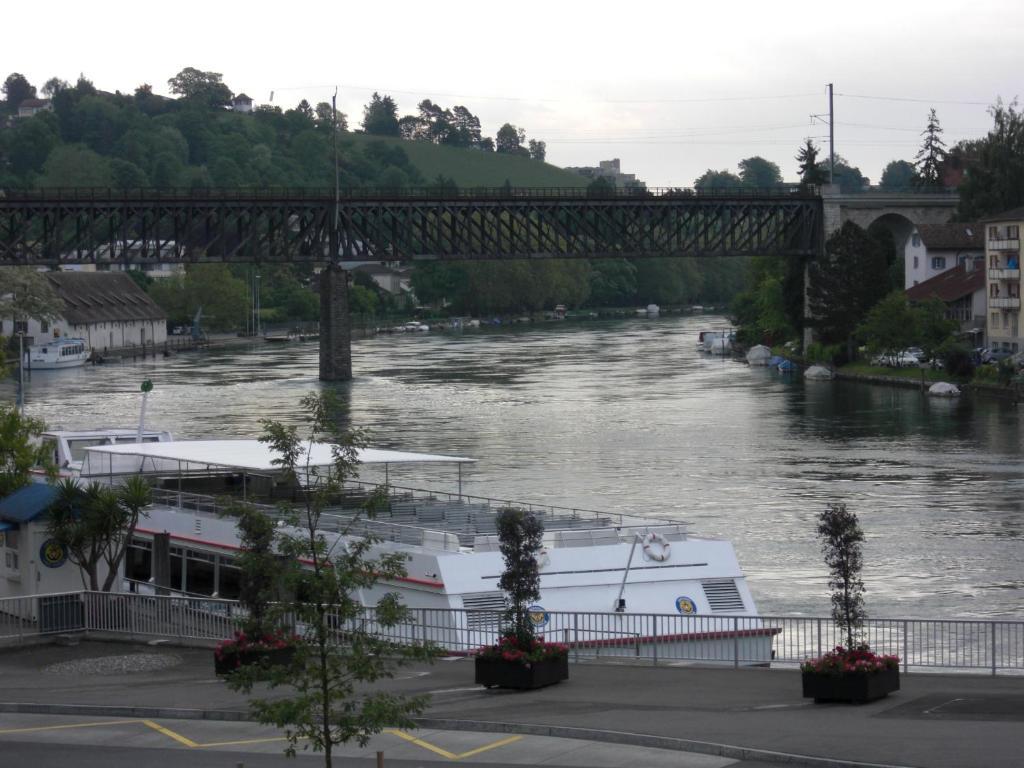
x: 380, y: 116
x: 931, y: 155
x: 810, y: 173
x: 845, y: 283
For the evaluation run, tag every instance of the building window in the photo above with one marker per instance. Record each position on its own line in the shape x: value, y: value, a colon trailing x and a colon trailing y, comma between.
x: 1013, y: 232
x: 915, y: 262
x: 20, y: 326
x: 995, y: 320
x: 938, y: 262
x: 993, y: 233
x: 915, y: 240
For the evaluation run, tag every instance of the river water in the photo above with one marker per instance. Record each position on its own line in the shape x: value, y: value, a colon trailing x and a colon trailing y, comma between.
x: 626, y: 416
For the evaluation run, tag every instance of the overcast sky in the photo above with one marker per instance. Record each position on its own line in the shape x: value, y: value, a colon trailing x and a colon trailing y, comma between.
x: 671, y: 88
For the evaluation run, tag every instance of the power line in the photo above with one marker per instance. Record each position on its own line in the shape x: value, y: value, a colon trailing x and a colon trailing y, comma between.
x: 914, y: 101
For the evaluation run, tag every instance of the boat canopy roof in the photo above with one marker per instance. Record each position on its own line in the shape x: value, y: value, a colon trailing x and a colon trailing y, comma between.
x: 239, y: 455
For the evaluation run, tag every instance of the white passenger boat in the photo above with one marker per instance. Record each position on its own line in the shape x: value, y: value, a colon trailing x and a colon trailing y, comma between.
x: 608, y: 581
x: 59, y: 353
x: 66, y: 448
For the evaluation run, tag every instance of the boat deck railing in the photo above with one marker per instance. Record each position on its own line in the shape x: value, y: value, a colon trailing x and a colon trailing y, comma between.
x: 443, y: 521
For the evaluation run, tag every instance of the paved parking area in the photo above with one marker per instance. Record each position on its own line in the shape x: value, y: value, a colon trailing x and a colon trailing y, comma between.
x: 164, y: 742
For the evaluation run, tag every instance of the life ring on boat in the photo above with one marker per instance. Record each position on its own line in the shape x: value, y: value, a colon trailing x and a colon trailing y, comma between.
x: 657, y: 547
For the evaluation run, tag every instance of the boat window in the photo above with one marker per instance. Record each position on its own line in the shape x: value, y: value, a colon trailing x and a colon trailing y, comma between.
x: 200, y: 573
x: 77, y: 446
x: 50, y: 446
x: 229, y: 585
x: 138, y: 563
x: 129, y: 440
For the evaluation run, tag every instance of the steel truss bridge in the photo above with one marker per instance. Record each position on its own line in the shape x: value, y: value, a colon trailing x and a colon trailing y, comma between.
x: 69, y: 226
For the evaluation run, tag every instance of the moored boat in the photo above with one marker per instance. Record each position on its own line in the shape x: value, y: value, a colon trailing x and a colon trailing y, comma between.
x: 59, y: 353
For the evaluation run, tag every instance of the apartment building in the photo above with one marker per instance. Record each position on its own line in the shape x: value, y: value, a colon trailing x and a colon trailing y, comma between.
x: 1002, y: 268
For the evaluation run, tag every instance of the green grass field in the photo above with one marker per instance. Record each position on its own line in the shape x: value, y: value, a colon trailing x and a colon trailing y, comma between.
x: 914, y: 374
x: 472, y: 168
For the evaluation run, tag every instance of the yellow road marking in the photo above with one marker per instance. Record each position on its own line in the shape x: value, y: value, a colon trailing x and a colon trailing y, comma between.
x: 62, y: 727
x: 242, y: 741
x: 168, y: 732
x: 495, y: 745
x: 187, y: 742
x: 444, y: 752
x: 421, y: 743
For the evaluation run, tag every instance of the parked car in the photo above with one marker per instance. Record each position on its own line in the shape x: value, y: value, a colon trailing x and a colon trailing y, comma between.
x: 897, y: 360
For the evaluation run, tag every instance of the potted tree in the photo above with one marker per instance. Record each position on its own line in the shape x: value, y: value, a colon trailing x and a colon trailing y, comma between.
x: 259, y: 639
x: 520, y: 659
x: 850, y: 673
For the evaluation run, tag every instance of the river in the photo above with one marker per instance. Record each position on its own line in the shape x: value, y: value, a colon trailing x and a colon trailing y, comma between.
x: 626, y: 416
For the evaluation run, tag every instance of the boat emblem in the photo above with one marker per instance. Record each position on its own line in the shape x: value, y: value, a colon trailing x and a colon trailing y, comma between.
x: 537, y: 615
x: 685, y: 606
x: 52, y: 554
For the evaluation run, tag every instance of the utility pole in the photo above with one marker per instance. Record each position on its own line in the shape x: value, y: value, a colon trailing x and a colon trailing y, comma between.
x: 831, y: 137
x: 337, y: 191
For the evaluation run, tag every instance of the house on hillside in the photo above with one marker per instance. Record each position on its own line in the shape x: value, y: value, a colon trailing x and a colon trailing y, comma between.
x: 931, y: 249
x: 241, y: 103
x: 32, y: 107
x: 394, y: 281
x: 1002, y: 264
x: 106, y: 309
x: 612, y: 171
x: 962, y: 290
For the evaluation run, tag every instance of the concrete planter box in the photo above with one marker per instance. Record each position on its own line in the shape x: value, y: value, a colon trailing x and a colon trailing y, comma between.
x: 853, y: 689
x: 498, y: 673
x: 229, y: 662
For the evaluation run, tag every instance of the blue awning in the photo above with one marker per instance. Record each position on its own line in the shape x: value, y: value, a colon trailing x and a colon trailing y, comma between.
x: 28, y: 503
x: 5, y: 526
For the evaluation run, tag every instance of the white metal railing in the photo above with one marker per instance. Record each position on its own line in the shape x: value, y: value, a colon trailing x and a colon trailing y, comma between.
x: 993, y: 646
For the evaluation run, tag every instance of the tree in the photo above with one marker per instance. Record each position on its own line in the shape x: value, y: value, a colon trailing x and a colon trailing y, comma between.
x: 261, y: 569
x: 994, y: 181
x: 891, y: 326
x: 337, y: 657
x: 760, y: 173
x: 202, y: 87
x: 75, y: 165
x: 810, y: 173
x: 509, y: 140
x: 16, y: 89
x: 380, y: 116
x: 899, y: 175
x: 53, y: 86
x: 846, y: 282
x: 27, y: 294
x: 935, y: 331
x: 841, y: 538
x: 21, y: 450
x: 95, y: 523
x: 848, y: 177
x: 931, y: 156
x: 520, y: 536
x: 538, y: 150
x: 718, y: 180
x: 465, y: 127
x: 30, y: 143
x: 327, y: 117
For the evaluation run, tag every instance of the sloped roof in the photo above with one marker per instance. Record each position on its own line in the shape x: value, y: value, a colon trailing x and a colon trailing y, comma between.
x: 103, y: 297
x: 241, y: 97
x: 28, y: 503
x: 33, y: 103
x: 1014, y: 214
x: 952, y: 237
x: 375, y: 269
x: 950, y: 285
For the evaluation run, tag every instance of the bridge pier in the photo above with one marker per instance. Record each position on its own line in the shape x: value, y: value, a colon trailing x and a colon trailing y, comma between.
x: 335, y: 326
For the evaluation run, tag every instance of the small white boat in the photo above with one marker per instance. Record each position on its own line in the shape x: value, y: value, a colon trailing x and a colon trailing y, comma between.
x: 716, y: 342
x: 59, y: 353
x: 412, y: 327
